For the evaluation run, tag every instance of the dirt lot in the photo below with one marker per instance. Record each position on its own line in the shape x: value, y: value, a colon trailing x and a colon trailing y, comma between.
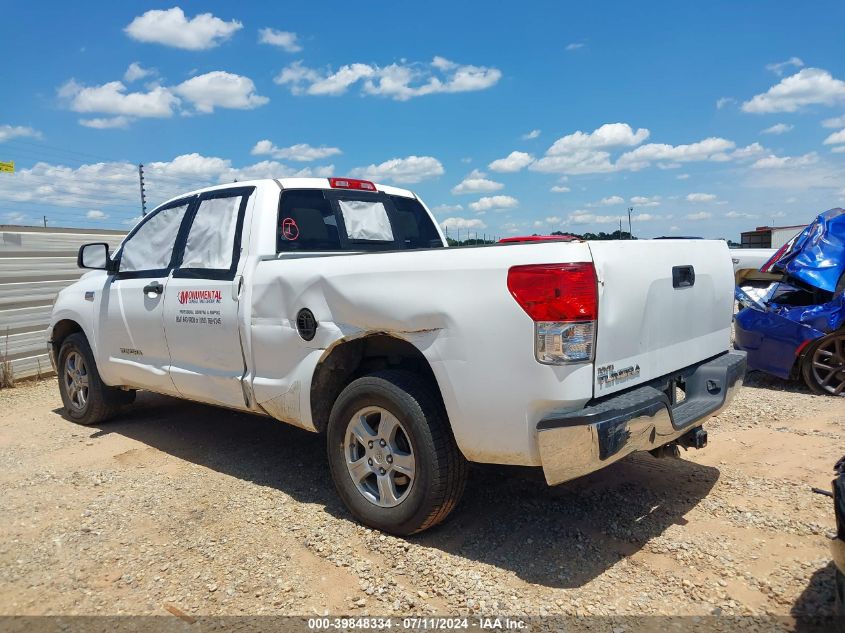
x: 177, y: 504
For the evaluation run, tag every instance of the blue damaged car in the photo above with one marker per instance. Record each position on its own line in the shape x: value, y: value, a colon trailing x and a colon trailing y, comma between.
x: 796, y: 328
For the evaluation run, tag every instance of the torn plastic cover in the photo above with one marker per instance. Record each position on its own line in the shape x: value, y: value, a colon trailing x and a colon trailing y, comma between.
x: 366, y: 220
x: 817, y: 255
x: 152, y: 245
x: 212, y: 235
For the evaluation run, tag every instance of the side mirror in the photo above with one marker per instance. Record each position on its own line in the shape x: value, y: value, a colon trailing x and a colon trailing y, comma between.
x: 94, y: 256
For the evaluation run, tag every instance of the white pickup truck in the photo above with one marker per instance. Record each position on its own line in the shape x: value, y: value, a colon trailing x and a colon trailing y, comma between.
x: 333, y: 305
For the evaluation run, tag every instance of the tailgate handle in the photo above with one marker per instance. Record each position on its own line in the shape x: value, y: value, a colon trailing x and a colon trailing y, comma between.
x: 683, y: 276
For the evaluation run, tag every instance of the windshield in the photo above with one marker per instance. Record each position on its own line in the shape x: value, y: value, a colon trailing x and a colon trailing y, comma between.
x: 329, y: 220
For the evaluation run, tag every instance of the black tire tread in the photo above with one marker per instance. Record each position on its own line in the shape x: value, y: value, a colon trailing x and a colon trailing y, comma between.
x: 447, y: 481
x: 103, y: 401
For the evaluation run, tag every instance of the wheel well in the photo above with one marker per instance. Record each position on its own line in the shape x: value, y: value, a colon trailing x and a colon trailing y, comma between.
x: 61, y: 331
x: 353, y: 359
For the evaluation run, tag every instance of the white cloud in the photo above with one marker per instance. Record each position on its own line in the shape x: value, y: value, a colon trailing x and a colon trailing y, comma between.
x: 700, y: 215
x: 585, y: 153
x: 560, y: 189
x: 8, y: 132
x: 283, y: 39
x: 700, y: 197
x: 611, y: 200
x: 809, y: 86
x: 607, y: 136
x: 96, y: 214
x: 648, y: 217
x: 837, y: 121
x: 106, y: 123
x: 584, y: 161
x: 115, y: 184
x: 574, y: 46
x: 302, y: 152
x: 453, y: 224
x: 401, y: 170
x: 476, y: 182
x: 736, y: 215
x: 112, y: 98
x: 583, y: 217
x: 400, y: 82
x: 749, y: 151
x: 839, y: 149
x: 15, y: 217
x: 553, y: 219
x: 709, y: 149
x: 778, y: 128
x: 530, y: 135
x: 836, y: 138
x: 494, y: 203
x: 171, y: 28
x: 219, y: 89
x: 136, y: 72
x: 645, y: 201
x: 513, y: 162
x: 723, y: 102
x: 447, y: 208
x: 779, y: 162
x: 780, y: 67
x: 682, y: 176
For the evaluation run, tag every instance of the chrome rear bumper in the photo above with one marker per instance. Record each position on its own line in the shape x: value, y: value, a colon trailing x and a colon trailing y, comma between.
x: 573, y: 444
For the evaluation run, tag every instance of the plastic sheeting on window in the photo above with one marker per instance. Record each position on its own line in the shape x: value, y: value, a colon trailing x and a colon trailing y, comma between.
x: 212, y: 235
x: 366, y: 220
x: 152, y: 246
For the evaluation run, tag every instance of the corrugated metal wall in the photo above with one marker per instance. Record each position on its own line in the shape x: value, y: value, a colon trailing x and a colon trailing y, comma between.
x: 36, y: 263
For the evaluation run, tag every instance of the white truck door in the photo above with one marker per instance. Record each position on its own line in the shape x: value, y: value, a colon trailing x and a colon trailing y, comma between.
x: 130, y: 319
x: 201, y: 306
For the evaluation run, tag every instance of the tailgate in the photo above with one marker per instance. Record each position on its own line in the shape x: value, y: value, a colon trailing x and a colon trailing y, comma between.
x: 663, y: 305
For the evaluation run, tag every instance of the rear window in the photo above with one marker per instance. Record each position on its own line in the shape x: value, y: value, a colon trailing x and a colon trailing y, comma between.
x: 330, y: 220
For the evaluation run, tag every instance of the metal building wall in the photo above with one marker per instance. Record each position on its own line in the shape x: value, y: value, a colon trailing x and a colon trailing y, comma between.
x: 35, y: 263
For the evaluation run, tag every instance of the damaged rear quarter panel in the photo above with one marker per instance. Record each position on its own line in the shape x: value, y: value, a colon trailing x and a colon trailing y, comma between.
x: 452, y: 304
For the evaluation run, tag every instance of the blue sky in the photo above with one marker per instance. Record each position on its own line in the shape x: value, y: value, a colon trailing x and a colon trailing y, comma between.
x: 708, y: 118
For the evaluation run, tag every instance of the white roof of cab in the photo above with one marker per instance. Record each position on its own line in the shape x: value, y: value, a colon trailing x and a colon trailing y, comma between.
x: 292, y: 183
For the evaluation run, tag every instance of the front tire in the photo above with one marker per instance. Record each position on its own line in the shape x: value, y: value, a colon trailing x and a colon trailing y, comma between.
x: 86, y: 399
x: 823, y: 367
x: 392, y: 454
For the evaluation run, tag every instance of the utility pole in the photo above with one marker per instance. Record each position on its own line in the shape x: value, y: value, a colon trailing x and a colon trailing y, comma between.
x: 143, y: 193
x: 620, y: 228
x: 630, y: 231
x: 45, y: 221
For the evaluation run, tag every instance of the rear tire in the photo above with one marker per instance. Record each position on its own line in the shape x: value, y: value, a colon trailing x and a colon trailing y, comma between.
x: 823, y: 366
x: 415, y: 475
x: 86, y: 399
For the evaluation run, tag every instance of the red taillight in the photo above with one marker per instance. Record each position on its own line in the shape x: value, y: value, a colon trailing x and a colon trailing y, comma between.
x: 765, y: 268
x: 351, y: 183
x: 556, y: 292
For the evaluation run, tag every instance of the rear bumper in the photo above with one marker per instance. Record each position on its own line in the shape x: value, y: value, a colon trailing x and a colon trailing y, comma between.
x: 573, y: 444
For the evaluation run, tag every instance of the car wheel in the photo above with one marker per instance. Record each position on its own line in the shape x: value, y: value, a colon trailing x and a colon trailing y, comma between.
x: 86, y: 399
x: 392, y: 454
x: 823, y: 367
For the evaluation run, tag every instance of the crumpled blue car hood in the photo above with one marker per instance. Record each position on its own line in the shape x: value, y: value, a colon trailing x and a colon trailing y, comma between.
x: 816, y: 256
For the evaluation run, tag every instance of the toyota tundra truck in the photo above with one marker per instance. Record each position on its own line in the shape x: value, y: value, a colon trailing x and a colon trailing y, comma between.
x: 335, y: 305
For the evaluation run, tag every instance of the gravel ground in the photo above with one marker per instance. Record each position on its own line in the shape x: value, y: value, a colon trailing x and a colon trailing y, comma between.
x: 182, y: 506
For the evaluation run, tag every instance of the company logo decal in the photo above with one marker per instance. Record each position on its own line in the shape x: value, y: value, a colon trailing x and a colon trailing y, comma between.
x: 200, y: 296
x: 289, y: 229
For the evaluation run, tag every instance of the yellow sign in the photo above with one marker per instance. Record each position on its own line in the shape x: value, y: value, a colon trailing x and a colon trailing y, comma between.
x: 8, y: 166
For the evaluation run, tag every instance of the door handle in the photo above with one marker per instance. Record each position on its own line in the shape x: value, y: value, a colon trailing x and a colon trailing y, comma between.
x: 683, y: 276
x: 153, y: 288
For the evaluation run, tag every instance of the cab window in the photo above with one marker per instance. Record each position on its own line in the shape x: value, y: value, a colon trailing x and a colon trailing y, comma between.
x: 150, y: 247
